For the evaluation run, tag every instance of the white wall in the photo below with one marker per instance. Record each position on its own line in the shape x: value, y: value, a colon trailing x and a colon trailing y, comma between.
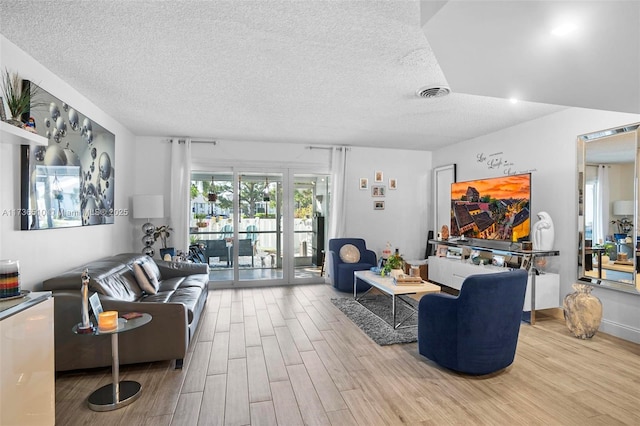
x: 43, y: 253
x: 547, y: 147
x: 403, y: 222
x: 151, y: 176
x: 407, y: 215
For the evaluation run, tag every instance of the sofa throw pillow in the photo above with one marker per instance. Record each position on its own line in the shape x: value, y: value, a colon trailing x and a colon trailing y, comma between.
x: 145, y: 272
x: 349, y: 253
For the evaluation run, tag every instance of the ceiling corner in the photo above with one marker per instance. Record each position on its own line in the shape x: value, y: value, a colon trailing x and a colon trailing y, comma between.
x: 428, y: 8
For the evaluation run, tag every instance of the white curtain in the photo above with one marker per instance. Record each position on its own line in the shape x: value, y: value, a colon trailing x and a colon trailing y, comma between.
x: 179, y: 200
x: 338, y: 192
x: 337, y: 228
x: 601, y: 213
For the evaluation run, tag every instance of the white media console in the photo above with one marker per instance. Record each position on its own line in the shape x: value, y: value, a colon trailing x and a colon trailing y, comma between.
x: 452, y: 270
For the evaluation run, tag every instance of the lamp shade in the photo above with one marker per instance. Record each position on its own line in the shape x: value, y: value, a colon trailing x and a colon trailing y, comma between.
x: 148, y: 206
x: 623, y: 207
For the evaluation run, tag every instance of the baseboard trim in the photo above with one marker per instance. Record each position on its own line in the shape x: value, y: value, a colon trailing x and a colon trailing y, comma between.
x: 622, y: 331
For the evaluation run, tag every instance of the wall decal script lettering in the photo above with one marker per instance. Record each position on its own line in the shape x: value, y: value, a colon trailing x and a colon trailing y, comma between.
x: 497, y: 161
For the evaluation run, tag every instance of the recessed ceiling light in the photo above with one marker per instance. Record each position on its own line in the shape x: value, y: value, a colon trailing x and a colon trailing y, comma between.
x: 564, y: 29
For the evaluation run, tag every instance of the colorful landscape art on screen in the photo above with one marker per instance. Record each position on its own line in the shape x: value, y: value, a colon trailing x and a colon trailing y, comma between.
x: 493, y: 208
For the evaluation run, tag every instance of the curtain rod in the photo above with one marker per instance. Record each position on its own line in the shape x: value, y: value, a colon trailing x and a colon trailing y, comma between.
x: 213, y: 142
x: 183, y: 140
x: 339, y: 148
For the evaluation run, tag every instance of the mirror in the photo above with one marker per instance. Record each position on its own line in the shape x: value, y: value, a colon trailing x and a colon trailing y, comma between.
x: 607, y: 208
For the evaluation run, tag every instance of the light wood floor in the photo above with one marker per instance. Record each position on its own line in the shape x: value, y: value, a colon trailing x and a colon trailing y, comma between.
x: 287, y: 356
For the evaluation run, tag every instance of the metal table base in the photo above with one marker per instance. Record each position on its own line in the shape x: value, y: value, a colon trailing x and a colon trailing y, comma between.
x: 117, y: 394
x: 394, y: 324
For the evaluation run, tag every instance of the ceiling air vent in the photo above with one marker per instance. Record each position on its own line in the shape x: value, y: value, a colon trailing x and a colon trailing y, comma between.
x: 433, y: 91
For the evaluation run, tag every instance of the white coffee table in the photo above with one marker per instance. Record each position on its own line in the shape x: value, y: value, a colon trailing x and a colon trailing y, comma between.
x: 388, y: 287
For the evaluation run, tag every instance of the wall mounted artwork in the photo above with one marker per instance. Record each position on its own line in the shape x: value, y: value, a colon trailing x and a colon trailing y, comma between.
x: 377, y: 190
x: 70, y: 182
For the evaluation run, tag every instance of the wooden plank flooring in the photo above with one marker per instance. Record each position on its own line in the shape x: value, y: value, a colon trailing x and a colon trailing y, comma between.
x: 287, y: 356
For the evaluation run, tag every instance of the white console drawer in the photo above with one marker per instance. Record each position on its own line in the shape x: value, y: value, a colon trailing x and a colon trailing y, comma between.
x: 452, y: 273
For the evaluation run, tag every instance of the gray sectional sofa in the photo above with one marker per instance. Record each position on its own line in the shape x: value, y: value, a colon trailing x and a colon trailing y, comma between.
x: 176, y: 309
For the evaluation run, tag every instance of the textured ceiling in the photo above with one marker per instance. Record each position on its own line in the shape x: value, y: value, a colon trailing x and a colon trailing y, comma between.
x: 336, y: 72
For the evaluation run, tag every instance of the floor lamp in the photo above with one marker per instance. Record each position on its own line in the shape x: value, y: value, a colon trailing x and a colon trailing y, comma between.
x: 148, y: 207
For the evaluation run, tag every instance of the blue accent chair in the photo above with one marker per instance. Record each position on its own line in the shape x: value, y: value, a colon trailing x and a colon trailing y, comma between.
x: 342, y: 273
x: 477, y: 331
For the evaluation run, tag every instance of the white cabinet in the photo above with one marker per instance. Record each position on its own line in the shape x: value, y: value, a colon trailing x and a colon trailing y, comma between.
x: 27, y: 377
x: 547, y: 292
x: 452, y: 272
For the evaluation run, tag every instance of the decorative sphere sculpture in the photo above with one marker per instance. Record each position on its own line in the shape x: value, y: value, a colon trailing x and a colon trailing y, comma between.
x: 148, y: 228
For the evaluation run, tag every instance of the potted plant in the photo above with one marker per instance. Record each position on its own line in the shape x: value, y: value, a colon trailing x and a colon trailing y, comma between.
x: 200, y: 222
x: 19, y: 101
x: 394, y: 265
x: 163, y: 233
x: 608, y: 253
x: 624, y: 226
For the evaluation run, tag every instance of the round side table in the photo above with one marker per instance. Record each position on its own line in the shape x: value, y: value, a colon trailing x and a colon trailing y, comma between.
x: 117, y: 394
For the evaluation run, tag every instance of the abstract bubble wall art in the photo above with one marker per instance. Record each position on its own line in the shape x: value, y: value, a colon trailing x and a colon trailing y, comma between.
x: 70, y: 182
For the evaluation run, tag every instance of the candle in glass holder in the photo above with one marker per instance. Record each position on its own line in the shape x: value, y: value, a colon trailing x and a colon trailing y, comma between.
x: 108, y: 320
x: 9, y: 278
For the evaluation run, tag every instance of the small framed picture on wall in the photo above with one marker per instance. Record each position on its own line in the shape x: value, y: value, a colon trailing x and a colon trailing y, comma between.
x: 378, y: 205
x: 377, y: 190
x: 393, y: 183
x: 378, y: 177
x: 364, y: 183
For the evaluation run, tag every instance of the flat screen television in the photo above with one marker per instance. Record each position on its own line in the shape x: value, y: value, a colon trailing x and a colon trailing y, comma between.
x: 492, y: 209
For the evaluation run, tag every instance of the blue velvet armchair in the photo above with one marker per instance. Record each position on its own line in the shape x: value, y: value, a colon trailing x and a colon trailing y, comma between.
x: 477, y: 331
x: 342, y: 273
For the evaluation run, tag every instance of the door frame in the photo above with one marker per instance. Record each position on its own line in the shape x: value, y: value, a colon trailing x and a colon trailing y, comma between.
x: 288, y: 261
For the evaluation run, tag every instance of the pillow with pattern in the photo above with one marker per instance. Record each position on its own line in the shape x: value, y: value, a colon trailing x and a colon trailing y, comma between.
x: 145, y: 272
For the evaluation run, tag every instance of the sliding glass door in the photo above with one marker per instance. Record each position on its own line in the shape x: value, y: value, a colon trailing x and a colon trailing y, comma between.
x: 310, y: 202
x: 211, y: 224
x: 259, y: 227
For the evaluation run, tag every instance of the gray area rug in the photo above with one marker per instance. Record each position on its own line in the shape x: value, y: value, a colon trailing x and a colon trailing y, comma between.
x: 378, y: 330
